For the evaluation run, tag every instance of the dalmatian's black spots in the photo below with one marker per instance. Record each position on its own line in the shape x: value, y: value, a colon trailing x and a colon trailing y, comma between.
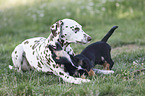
x: 46, y: 56
x: 36, y: 41
x: 40, y: 58
x: 33, y: 47
x: 49, y: 60
x: 46, y: 51
x: 60, y: 73
x: 62, y: 36
x: 41, y: 62
x: 65, y: 34
x: 48, y: 63
x: 51, y: 69
x: 77, y: 29
x: 16, y: 55
x: 39, y: 65
x: 39, y: 47
x: 15, y: 52
x: 30, y: 45
x: 51, y: 38
x: 54, y: 65
x: 66, y: 26
x: 52, y: 26
x: 33, y: 52
x: 65, y: 49
x: 26, y: 42
x: 37, y: 57
x: 84, y: 35
x: 54, y: 33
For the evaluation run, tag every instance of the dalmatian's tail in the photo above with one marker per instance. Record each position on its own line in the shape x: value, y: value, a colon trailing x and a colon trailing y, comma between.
x: 11, y: 67
x: 106, y: 37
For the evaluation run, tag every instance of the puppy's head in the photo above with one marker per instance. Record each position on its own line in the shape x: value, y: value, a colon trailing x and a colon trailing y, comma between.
x: 85, y: 63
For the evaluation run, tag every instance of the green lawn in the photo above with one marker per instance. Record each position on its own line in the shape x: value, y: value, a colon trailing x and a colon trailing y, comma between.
x: 23, y: 19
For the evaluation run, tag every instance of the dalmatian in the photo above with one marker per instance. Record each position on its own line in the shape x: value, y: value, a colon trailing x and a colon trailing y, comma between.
x: 34, y: 53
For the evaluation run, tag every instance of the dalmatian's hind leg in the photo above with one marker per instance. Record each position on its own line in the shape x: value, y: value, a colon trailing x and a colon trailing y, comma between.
x: 19, y: 59
x: 25, y: 65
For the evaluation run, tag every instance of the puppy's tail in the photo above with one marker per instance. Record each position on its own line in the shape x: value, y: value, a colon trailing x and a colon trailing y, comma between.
x: 106, y: 37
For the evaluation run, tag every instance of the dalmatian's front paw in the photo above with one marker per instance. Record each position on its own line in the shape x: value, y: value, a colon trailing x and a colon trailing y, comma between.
x: 103, y: 71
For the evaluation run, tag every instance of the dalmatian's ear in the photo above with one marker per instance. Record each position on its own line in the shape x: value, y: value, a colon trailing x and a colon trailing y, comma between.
x: 56, y: 28
x: 51, y: 48
x: 58, y: 46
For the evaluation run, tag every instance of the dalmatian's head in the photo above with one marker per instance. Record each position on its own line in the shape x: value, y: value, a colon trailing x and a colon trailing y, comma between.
x: 70, y: 32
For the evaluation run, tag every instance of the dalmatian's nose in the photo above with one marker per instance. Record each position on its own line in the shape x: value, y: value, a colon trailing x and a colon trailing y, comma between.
x: 89, y: 38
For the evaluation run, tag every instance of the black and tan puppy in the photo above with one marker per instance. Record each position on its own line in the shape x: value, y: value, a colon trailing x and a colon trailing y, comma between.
x: 98, y: 52
x: 71, y: 66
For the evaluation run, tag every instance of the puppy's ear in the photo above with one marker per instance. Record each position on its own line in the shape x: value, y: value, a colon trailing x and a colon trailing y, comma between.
x: 56, y: 28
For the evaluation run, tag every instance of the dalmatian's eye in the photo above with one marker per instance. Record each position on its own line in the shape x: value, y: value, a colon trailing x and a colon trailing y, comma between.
x: 77, y: 29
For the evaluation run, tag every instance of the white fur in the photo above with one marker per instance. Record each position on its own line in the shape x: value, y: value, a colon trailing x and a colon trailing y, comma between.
x: 34, y: 54
x: 103, y: 71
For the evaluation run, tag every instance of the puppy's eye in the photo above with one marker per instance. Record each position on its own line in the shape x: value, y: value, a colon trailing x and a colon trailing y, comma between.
x: 77, y: 29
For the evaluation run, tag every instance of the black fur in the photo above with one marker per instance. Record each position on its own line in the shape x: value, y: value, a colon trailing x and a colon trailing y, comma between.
x: 89, y: 57
x: 95, y: 51
x: 68, y: 67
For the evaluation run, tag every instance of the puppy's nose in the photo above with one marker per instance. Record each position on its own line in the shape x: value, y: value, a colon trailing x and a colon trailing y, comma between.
x: 89, y: 38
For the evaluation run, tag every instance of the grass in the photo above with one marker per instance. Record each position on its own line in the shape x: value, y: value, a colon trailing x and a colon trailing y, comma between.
x: 20, y: 20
